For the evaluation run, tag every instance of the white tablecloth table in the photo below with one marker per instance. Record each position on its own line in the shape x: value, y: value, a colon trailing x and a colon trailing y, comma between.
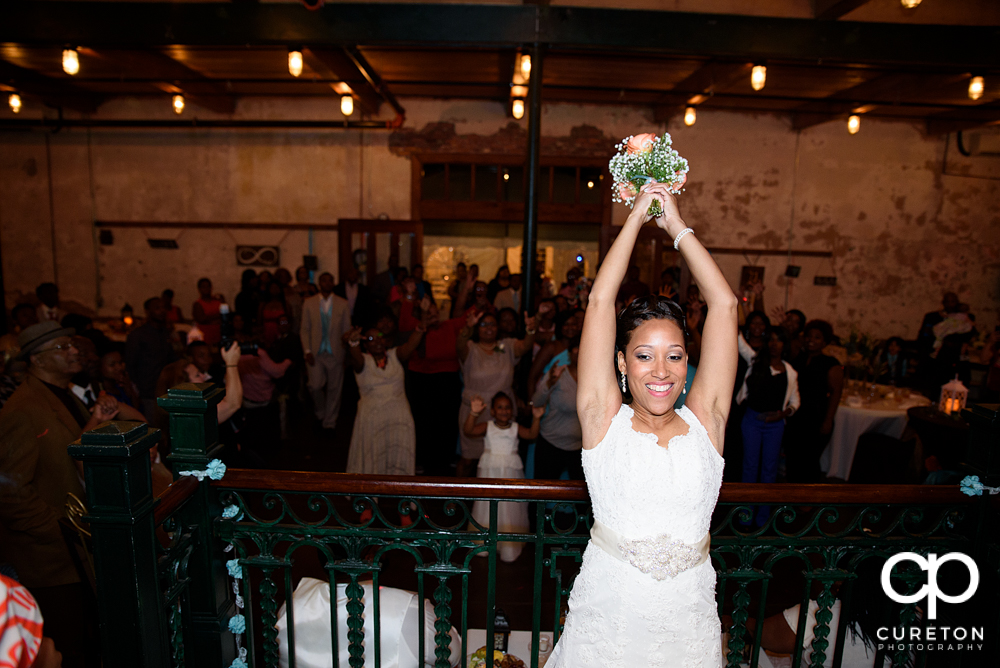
x: 851, y: 422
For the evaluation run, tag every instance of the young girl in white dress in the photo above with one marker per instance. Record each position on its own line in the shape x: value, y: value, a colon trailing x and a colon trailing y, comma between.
x: 500, y: 460
x: 645, y: 594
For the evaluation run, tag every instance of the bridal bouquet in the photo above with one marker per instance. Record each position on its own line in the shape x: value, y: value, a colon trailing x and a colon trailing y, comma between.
x: 643, y: 159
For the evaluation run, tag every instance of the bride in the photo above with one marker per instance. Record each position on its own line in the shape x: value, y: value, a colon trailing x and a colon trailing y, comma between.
x: 645, y: 595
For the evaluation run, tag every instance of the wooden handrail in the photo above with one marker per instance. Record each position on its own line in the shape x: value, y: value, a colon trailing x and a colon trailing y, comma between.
x: 174, y: 497
x: 346, y: 483
x: 562, y: 490
x: 741, y: 492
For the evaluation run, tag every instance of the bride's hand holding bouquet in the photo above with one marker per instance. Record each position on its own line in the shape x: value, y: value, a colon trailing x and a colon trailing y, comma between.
x: 670, y: 221
x: 662, y: 198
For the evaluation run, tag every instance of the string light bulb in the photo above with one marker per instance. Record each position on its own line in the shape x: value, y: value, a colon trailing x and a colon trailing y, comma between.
x: 347, y: 105
x: 15, y: 103
x: 526, y: 66
x: 295, y: 63
x: 178, y: 103
x: 910, y: 4
x: 690, y: 116
x: 517, y: 109
x: 758, y: 76
x: 976, y: 86
x: 854, y: 124
x: 71, y: 61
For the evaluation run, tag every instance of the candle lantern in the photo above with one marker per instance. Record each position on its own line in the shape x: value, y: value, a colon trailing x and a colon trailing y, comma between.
x: 501, y: 631
x: 127, y: 315
x: 953, y: 396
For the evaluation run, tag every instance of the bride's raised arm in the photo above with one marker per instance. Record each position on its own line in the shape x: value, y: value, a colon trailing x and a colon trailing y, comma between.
x: 711, y: 392
x: 598, y: 398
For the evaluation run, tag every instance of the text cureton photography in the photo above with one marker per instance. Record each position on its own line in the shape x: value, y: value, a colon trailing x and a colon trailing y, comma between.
x: 916, y: 638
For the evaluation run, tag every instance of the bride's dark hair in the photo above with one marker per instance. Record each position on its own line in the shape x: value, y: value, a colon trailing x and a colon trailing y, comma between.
x: 653, y: 307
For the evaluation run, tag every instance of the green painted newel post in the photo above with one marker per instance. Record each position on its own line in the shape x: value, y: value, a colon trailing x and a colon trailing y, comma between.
x: 194, y: 442
x: 120, y: 500
x: 194, y: 424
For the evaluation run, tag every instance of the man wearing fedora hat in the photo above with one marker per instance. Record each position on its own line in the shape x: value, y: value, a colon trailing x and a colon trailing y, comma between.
x: 37, y: 423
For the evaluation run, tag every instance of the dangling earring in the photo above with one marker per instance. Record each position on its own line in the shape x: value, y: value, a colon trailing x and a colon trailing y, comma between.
x: 685, y: 388
x: 624, y: 386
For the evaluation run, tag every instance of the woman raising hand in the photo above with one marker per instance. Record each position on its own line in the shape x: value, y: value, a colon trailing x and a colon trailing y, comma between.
x: 645, y: 594
x: 383, y: 441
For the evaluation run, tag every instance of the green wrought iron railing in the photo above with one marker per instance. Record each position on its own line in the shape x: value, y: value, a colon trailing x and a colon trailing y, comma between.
x: 398, y: 531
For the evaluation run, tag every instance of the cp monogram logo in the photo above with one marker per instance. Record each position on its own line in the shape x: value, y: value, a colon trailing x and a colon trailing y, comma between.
x: 930, y: 590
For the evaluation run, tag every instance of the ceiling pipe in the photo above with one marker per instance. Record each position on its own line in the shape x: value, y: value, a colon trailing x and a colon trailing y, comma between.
x: 194, y: 124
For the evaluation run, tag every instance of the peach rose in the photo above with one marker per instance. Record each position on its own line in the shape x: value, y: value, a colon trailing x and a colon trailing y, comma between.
x: 626, y: 191
x: 641, y: 143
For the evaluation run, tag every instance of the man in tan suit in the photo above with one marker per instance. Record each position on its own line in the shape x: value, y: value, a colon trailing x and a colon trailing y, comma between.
x: 325, y: 319
x: 38, y: 422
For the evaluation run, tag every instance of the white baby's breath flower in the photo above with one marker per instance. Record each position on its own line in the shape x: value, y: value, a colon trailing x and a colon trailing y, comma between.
x: 630, y: 171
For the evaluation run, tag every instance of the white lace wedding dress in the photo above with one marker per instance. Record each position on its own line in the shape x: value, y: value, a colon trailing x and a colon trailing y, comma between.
x: 620, y: 617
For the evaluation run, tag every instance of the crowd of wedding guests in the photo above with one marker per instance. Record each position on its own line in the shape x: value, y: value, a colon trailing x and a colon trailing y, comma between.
x: 463, y: 384
x: 427, y: 358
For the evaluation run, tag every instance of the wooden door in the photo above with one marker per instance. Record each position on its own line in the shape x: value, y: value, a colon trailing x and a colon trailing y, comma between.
x: 368, y: 244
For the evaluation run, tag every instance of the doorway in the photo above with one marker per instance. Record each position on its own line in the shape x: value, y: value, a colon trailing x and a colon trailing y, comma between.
x: 368, y: 244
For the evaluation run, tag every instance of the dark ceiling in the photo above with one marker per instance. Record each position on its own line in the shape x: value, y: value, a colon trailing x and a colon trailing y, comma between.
x: 215, y: 53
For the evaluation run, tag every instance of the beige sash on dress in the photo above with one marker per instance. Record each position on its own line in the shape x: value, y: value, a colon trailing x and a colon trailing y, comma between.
x: 659, y: 556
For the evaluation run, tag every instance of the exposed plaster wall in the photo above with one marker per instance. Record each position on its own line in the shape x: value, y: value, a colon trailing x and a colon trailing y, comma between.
x: 178, y: 176
x: 901, y: 230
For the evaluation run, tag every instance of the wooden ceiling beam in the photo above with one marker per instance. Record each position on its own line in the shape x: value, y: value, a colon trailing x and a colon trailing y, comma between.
x: 834, y: 9
x: 350, y: 67
x: 698, y: 86
x: 374, y: 80
x: 964, y: 119
x: 886, y: 89
x: 752, y: 38
x: 52, y: 92
x: 171, y: 76
x: 807, y: 119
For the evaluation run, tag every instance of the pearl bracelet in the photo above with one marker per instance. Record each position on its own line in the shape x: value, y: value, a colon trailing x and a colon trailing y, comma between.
x: 680, y: 235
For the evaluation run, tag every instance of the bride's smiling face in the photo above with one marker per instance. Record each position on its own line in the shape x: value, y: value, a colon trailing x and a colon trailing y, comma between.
x: 655, y: 364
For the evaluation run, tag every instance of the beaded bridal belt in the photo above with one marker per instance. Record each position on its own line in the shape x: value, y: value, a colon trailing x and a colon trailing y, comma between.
x: 659, y: 556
